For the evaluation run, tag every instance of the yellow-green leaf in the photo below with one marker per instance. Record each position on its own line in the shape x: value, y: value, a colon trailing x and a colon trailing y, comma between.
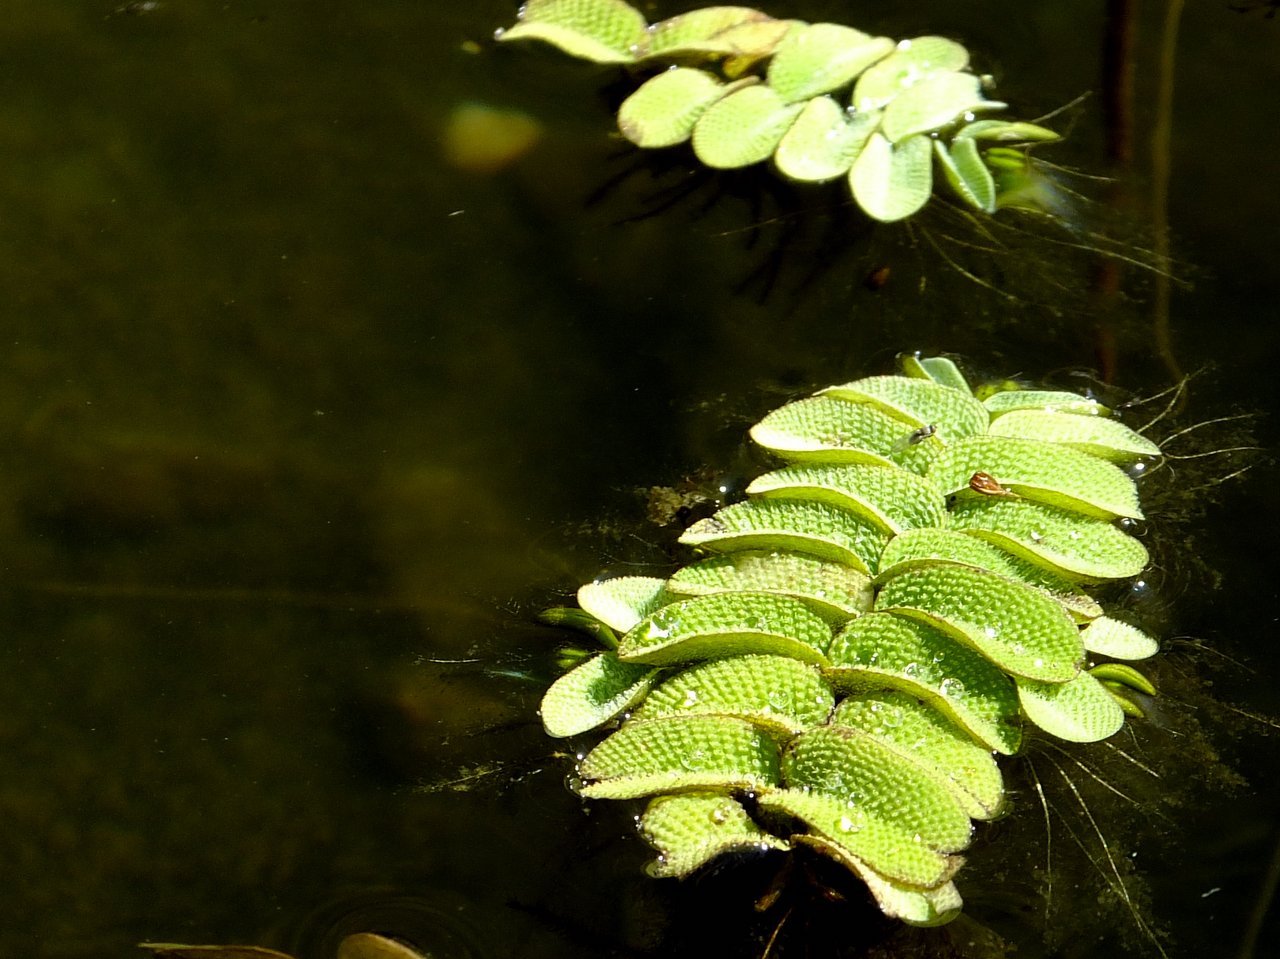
x: 1119, y: 640
x: 913, y: 61
x: 726, y: 624
x: 835, y: 591
x: 623, y: 601
x: 891, y: 180
x: 920, y: 402
x: 663, y: 110
x: 916, y: 906
x: 603, y: 31
x: 1098, y: 435
x: 822, y: 57
x: 1057, y: 401
x: 1079, y: 711
x: 933, y: 103
x: 828, y: 430
x: 691, y: 829
x: 593, y: 693
x: 970, y: 177
x: 823, y: 142
x: 743, y: 128
x: 679, y: 753
x: 891, y: 498
x: 1018, y: 628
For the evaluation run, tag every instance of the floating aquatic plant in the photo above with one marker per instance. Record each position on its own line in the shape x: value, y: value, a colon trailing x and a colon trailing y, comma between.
x: 866, y: 632
x: 820, y: 100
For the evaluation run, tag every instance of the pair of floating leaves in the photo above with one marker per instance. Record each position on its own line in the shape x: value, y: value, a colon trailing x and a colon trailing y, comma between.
x: 870, y: 625
x: 747, y: 87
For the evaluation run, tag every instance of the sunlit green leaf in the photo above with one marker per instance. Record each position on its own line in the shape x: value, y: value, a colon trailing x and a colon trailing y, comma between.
x: 1045, y: 472
x: 911, y: 62
x: 828, y: 430
x: 834, y: 590
x: 663, y: 110
x: 971, y: 179
x: 792, y: 524
x: 1107, y: 438
x: 736, y: 32
x: 679, y: 753
x: 920, y: 402
x: 823, y: 142
x: 743, y: 128
x: 1080, y: 547
x: 593, y: 693
x: 884, y: 649
x: 1111, y: 637
x: 822, y: 57
x: 932, y: 103
x: 727, y: 624
x: 781, y: 695
x: 891, y: 498
x: 1079, y: 711
x: 603, y: 31
x: 623, y: 601
x: 890, y: 180
x: 937, y: 368
x: 691, y: 829
x: 916, y: 906
x: 1124, y: 675
x: 1018, y: 628
x: 1056, y: 401
x: 1006, y: 131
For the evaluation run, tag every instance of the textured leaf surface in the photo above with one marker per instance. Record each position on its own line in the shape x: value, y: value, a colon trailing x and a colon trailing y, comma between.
x: 1107, y: 438
x: 1114, y: 675
x: 593, y: 693
x: 865, y: 773
x: 937, y: 368
x: 1006, y: 131
x: 922, y: 547
x: 969, y: 176
x: 891, y: 498
x: 743, y: 128
x: 603, y: 31
x: 623, y: 601
x: 919, y: 402
x: 1079, y: 711
x: 1019, y: 629
x: 1045, y: 472
x: 736, y: 32
x: 909, y: 64
x: 663, y: 110
x: 726, y: 624
x: 822, y: 57
x: 834, y: 590
x: 825, y: 429
x: 918, y: 907
x: 781, y: 695
x: 921, y: 735
x: 691, y: 829
x: 823, y: 142
x: 1073, y: 545
x: 891, y: 180
x: 885, y: 847
x: 1111, y: 637
x: 884, y: 649
x: 792, y: 524
x: 1008, y: 400
x: 677, y: 754
x: 932, y: 103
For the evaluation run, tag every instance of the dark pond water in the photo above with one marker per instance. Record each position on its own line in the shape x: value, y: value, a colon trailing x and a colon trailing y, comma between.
x: 302, y: 425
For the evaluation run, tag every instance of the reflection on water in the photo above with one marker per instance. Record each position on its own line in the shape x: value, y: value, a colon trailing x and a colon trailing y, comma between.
x: 296, y: 409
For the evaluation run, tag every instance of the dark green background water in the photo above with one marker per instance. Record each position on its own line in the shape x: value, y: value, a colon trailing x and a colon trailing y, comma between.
x: 291, y: 408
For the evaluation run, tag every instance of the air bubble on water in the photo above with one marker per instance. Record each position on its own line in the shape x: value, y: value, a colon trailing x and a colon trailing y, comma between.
x: 1036, y: 536
x: 847, y: 824
x: 580, y: 756
x: 720, y: 814
x: 911, y: 669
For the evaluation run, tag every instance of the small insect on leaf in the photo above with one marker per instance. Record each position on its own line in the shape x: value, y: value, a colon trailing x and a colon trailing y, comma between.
x: 988, y: 485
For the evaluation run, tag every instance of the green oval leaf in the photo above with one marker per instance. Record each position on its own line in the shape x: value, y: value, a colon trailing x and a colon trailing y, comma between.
x: 1111, y: 637
x: 691, y: 829
x: 1120, y: 674
x: 925, y: 547
x: 743, y: 128
x: 919, y: 734
x: 623, y: 601
x: 890, y: 180
x: 937, y: 368
x: 833, y: 590
x: 933, y: 103
x: 1045, y: 472
x: 1019, y: 629
x: 663, y: 110
x: 918, y: 907
x: 920, y: 402
x: 1056, y: 401
x: 727, y: 624
x: 792, y: 524
x: 823, y: 142
x: 864, y: 773
x: 782, y: 696
x: 679, y: 753
x: 913, y: 61
x: 1110, y: 439
x: 968, y: 175
x: 828, y: 430
x: 1079, y: 547
x: 733, y: 32
x: 822, y: 57
x: 1006, y: 131
x: 884, y: 649
x: 1079, y: 711
x: 893, y: 499
x: 592, y: 694
x: 603, y: 31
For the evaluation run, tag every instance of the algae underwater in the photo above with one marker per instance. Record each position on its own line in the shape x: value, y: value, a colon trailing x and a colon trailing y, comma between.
x: 326, y: 420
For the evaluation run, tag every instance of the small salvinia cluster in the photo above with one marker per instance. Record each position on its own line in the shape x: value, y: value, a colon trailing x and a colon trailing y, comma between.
x: 745, y: 87
x: 867, y: 630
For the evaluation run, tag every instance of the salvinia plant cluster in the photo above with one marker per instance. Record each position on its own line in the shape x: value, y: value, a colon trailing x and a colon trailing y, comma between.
x: 866, y: 632
x: 822, y: 101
